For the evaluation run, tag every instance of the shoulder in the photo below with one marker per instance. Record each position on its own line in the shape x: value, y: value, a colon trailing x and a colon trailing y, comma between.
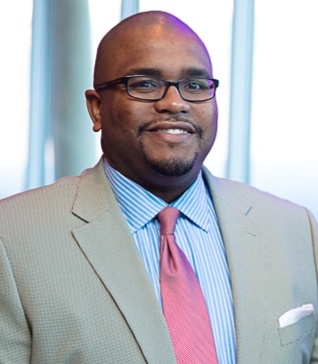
x: 60, y: 189
x: 46, y: 201
x: 281, y: 221
x: 259, y: 205
x: 87, y: 195
x: 63, y: 191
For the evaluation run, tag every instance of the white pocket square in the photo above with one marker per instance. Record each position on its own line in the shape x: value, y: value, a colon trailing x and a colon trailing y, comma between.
x: 294, y: 315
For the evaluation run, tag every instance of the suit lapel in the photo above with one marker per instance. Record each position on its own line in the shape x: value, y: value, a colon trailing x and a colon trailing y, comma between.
x: 246, y: 260
x: 109, y: 246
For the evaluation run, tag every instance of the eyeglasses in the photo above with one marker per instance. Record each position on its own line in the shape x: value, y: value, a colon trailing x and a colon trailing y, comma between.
x: 152, y: 88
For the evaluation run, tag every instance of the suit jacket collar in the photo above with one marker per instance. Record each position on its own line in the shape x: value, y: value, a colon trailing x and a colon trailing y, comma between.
x: 111, y: 250
x: 108, y: 244
x: 246, y: 254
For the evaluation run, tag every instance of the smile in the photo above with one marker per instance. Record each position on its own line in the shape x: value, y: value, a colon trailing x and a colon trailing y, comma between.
x: 173, y: 131
x: 172, y: 127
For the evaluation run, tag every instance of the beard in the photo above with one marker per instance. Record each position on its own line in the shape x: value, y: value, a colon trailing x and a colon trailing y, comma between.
x: 172, y: 167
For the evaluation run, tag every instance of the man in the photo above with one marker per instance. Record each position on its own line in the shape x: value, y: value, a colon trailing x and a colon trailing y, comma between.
x: 80, y: 258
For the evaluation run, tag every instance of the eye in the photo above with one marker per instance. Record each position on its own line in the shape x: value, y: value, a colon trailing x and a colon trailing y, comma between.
x: 196, y: 85
x: 143, y: 84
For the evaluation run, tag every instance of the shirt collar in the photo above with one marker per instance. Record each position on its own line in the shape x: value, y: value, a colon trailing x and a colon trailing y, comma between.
x: 140, y: 206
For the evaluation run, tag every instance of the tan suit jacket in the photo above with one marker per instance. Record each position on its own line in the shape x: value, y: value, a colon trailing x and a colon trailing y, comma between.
x: 74, y: 289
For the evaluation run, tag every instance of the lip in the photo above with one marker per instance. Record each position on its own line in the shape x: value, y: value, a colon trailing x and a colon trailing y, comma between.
x: 166, y: 125
x: 160, y: 131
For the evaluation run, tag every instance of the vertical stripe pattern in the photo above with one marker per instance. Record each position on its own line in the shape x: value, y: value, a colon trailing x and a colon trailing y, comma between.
x: 198, y: 235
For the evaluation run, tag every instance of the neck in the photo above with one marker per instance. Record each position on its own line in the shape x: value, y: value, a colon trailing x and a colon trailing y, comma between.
x: 167, y: 188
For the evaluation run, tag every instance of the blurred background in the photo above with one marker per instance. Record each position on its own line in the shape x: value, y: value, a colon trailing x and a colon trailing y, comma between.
x: 263, y: 53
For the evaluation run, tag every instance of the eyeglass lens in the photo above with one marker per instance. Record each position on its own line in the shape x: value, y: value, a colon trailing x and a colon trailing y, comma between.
x: 148, y: 88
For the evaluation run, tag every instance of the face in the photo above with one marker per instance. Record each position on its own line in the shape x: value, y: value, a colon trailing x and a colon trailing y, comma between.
x: 148, y: 141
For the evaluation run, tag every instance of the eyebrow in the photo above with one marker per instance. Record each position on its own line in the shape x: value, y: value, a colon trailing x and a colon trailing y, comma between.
x: 196, y: 72
x: 145, y: 71
x: 187, y: 72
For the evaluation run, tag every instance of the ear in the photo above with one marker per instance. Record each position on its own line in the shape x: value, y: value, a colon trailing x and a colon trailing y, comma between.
x: 93, y: 102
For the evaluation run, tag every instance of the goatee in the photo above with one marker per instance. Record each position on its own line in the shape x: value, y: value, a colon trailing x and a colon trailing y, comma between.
x: 173, y: 167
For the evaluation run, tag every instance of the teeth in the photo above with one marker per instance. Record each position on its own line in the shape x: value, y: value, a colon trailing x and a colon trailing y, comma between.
x: 173, y: 131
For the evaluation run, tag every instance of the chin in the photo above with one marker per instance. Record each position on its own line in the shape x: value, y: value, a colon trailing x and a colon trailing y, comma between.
x: 173, y: 167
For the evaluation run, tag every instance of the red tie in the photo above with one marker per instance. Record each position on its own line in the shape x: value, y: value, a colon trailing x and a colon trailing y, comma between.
x: 183, y: 303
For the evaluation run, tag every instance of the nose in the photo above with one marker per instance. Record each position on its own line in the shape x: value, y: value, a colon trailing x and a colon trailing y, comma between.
x: 172, y: 102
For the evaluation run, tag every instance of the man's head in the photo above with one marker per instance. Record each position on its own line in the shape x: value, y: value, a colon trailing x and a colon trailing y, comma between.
x: 158, y: 144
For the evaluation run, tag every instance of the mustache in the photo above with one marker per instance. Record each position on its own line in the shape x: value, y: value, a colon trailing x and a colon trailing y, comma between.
x: 147, y: 124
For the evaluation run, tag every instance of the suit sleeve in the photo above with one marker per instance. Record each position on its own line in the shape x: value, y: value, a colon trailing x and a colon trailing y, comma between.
x: 15, y: 337
x: 314, y: 233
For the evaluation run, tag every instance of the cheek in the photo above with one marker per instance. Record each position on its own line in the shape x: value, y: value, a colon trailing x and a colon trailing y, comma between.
x: 209, y: 118
x: 209, y: 126
x: 121, y: 123
x: 124, y: 113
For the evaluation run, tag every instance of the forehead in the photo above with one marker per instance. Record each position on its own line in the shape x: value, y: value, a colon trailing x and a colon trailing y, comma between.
x: 172, y: 52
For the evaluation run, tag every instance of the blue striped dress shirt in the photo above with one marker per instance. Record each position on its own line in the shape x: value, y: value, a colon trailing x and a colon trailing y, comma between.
x: 197, y: 234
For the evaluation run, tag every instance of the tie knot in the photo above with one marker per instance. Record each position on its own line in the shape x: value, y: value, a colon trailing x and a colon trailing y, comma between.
x: 168, y: 218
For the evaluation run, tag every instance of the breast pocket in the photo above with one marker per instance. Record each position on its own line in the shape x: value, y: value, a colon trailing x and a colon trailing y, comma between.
x: 303, y: 328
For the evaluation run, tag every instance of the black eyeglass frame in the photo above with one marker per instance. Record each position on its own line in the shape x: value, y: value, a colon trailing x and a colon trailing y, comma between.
x: 124, y: 80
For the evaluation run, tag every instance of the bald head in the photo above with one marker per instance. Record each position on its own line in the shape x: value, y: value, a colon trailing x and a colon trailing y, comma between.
x: 137, y: 33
